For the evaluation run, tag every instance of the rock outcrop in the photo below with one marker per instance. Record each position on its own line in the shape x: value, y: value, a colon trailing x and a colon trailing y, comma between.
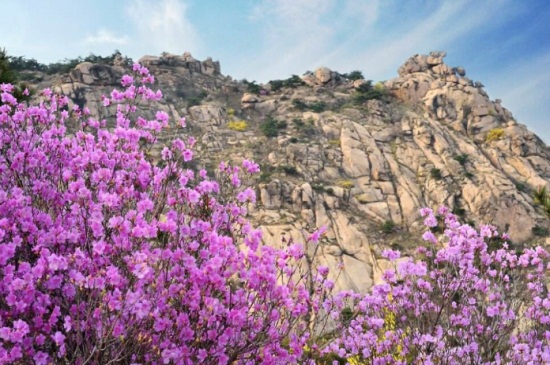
x: 323, y: 76
x: 363, y: 168
x: 186, y: 61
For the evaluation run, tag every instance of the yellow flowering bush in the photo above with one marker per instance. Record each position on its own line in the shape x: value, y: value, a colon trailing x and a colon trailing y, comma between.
x: 495, y: 135
x: 238, y: 125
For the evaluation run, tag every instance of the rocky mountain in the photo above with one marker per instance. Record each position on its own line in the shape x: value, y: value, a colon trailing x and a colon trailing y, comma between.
x: 337, y: 151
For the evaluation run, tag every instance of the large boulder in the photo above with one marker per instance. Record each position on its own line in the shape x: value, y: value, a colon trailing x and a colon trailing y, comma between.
x: 323, y: 75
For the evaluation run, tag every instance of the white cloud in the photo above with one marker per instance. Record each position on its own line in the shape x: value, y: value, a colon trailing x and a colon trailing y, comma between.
x: 104, y: 36
x: 373, y: 36
x: 162, y: 26
x: 305, y: 34
x: 448, y: 24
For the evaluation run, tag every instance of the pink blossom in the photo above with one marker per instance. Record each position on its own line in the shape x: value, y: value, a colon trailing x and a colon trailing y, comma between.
x: 127, y: 80
x: 101, y: 243
x: 187, y: 155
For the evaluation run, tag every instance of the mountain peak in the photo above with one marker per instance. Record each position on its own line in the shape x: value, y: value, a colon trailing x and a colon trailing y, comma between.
x: 359, y: 158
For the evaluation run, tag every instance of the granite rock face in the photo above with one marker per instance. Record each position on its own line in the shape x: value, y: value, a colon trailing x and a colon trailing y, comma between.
x: 362, y: 168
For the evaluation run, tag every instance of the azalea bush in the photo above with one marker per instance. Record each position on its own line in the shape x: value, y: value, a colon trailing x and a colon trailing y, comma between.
x: 460, y: 302
x: 108, y: 257
x: 111, y: 256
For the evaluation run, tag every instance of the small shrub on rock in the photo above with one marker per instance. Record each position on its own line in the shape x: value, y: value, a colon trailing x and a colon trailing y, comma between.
x: 495, y: 135
x: 435, y: 173
x: 238, y: 125
x: 271, y: 127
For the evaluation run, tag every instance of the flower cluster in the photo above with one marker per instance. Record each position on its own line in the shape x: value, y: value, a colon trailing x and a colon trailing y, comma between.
x: 107, y: 256
x: 461, y: 303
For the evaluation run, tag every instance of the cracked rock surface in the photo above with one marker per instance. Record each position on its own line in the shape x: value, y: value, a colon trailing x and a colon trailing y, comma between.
x: 362, y: 168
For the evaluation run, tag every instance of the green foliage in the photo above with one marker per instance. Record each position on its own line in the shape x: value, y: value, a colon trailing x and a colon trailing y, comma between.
x: 539, y: 231
x: 346, y: 315
x: 289, y: 170
x: 495, y: 243
x: 265, y: 172
x: 9, y: 76
x: 388, y: 227
x: 21, y: 63
x: 292, y: 82
x: 541, y: 197
x: 354, y: 75
x: 521, y: 187
x: 265, y: 176
x: 270, y: 128
x: 299, y: 105
x: 462, y: 159
x: 365, y: 86
x: 276, y: 85
x: 306, y: 129
x: 298, y: 123
x: 196, y: 99
x: 251, y: 87
x: 368, y: 92
x: 435, y: 173
x: 459, y: 211
x: 495, y: 135
x: 318, y: 106
x: 293, y: 140
x: 346, y: 184
x: 319, y: 188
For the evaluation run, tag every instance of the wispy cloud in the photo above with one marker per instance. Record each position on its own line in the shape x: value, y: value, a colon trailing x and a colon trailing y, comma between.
x: 442, y: 28
x: 371, y: 35
x: 162, y: 26
x: 523, y: 88
x: 524, y: 77
x: 104, y: 36
x: 302, y: 34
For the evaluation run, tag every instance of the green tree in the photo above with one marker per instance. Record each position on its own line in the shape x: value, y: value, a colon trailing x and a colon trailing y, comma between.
x: 9, y: 76
x: 354, y: 75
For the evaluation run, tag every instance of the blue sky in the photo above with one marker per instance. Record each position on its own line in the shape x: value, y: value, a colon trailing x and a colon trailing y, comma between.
x: 505, y: 44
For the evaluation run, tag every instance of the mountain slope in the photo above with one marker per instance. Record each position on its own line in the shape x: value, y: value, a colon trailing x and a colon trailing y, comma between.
x: 361, y: 160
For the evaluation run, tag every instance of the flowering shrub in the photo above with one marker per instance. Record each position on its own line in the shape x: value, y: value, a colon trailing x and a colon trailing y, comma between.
x: 495, y: 135
x: 109, y: 258
x: 460, y: 304
x: 237, y: 125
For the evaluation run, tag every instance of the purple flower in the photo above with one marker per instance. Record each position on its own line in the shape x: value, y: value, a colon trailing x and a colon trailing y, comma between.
x: 323, y: 270
x: 58, y: 338
x: 20, y: 330
x: 187, y: 155
x: 127, y: 80
x: 391, y: 255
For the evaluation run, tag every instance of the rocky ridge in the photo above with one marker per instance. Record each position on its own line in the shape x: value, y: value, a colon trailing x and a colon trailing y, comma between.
x: 363, y: 168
